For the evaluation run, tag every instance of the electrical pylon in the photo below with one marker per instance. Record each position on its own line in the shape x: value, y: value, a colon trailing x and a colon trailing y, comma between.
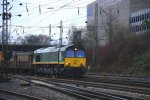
x: 5, y: 18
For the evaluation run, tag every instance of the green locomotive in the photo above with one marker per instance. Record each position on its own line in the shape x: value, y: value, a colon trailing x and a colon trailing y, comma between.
x: 63, y: 61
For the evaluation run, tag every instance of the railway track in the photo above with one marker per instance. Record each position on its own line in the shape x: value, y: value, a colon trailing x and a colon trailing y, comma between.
x: 122, y: 80
x: 133, y: 89
x: 77, y: 91
x: 16, y: 96
x: 2, y: 98
x: 81, y: 93
x: 118, y: 76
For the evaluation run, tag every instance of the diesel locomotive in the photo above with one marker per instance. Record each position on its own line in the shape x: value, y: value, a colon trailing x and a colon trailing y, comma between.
x: 68, y: 60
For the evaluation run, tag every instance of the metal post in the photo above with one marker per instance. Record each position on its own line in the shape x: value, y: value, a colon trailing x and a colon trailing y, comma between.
x: 50, y: 33
x: 61, y: 33
x: 5, y: 23
x: 5, y: 17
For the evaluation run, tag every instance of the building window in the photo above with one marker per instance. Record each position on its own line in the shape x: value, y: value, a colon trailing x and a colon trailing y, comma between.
x: 138, y: 18
x: 137, y: 28
x: 130, y: 20
x: 148, y: 15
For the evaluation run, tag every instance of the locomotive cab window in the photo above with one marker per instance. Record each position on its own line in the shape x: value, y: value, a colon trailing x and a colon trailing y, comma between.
x: 80, y: 54
x: 37, y: 58
x: 70, y: 53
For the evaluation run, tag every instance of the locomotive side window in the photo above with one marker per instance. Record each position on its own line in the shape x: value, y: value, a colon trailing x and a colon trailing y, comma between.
x: 37, y: 58
x: 70, y: 53
x: 80, y: 54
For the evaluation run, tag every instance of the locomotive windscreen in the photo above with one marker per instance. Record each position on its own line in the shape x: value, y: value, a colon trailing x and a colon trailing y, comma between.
x: 70, y: 53
x: 80, y: 54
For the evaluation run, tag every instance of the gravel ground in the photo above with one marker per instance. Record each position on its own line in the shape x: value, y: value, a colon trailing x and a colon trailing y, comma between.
x: 48, y: 94
x: 34, y: 90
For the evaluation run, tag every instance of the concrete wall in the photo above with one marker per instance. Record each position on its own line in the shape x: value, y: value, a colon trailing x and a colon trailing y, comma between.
x: 137, y: 5
x: 110, y: 9
x: 91, y: 13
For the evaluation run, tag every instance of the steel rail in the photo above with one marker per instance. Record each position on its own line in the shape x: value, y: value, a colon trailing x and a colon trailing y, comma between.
x: 118, y: 75
x: 97, y: 93
x: 121, y: 80
x: 81, y: 93
x: 75, y: 91
x: 3, y: 98
x: 134, y: 89
x: 62, y: 90
x: 102, y: 94
x: 28, y: 97
x: 33, y: 80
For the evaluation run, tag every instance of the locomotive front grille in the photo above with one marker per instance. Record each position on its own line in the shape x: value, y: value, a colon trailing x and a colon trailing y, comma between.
x: 75, y: 62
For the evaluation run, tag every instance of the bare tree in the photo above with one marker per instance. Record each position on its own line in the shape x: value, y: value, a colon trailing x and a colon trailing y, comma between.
x: 109, y: 21
x: 105, y: 33
x: 91, y: 43
x: 70, y: 33
x: 36, y: 40
x: 75, y: 35
x: 89, y: 38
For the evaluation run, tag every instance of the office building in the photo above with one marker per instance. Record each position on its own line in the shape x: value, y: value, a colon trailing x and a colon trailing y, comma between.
x: 109, y: 15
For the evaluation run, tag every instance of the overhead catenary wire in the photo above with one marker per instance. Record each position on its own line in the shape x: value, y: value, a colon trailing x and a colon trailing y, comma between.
x: 38, y: 15
x: 46, y: 27
x: 30, y: 18
x: 41, y: 6
x: 54, y: 12
x: 44, y: 18
x: 53, y: 26
x: 50, y: 3
x: 33, y: 6
x: 45, y: 13
x: 43, y: 3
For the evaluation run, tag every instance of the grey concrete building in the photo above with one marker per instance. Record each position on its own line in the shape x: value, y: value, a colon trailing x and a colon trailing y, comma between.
x: 118, y: 13
x: 136, y: 21
x: 91, y: 13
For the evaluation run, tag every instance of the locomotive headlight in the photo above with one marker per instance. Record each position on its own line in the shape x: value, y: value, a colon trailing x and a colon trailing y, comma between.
x: 67, y: 63
x: 82, y: 64
x: 75, y: 49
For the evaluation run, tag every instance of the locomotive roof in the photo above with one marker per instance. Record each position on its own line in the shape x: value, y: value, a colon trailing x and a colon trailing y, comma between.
x: 52, y: 49
x: 65, y: 47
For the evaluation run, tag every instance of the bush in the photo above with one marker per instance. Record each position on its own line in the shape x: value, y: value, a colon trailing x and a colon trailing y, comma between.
x: 141, y: 64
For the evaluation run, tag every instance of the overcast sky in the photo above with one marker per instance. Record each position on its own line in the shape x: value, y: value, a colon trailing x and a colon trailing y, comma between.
x: 37, y: 15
